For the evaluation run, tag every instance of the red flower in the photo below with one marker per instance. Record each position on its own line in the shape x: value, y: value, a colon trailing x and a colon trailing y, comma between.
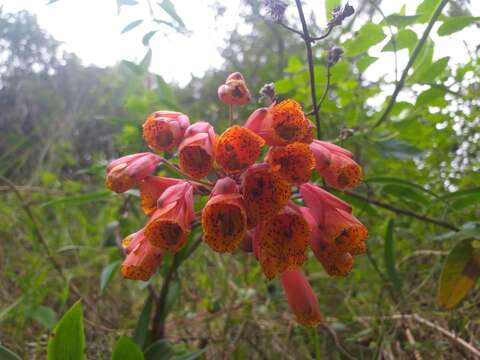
x: 234, y: 91
x: 142, y: 258
x: 281, y: 124
x: 196, y: 150
x: 281, y: 242
x: 163, y: 130
x: 150, y: 190
x: 171, y: 222
x: 265, y: 193
x: 126, y: 172
x: 301, y: 298
x: 237, y: 148
x: 294, y: 162
x: 224, y: 219
x: 335, y: 165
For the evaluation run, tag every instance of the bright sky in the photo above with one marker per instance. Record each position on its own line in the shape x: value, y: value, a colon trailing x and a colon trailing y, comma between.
x: 91, y: 29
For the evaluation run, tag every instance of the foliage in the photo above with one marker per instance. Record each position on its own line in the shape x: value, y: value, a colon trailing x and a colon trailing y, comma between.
x: 61, y: 121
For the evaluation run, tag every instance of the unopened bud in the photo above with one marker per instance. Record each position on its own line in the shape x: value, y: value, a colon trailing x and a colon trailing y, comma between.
x: 334, y: 55
x: 268, y: 91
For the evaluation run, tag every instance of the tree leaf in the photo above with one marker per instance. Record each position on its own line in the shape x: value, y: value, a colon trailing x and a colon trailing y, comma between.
x: 365, y: 61
x: 191, y: 356
x: 329, y: 6
x: 79, y: 199
x: 147, y: 59
x: 428, y: 97
x: 121, y: 3
x: 148, y: 36
x: 108, y: 273
x: 369, y: 35
x: 169, y: 8
x: 404, y: 39
x: 426, y: 9
x: 6, y: 354
x: 402, y: 182
x: 456, y: 23
x: 160, y: 349
x: 398, y: 149
x: 463, y: 198
x: 390, y: 259
x: 141, y: 330
x: 459, y: 273
x: 126, y: 349
x: 131, y: 26
x: 401, y: 21
x: 67, y: 340
x: 45, y: 316
x: 431, y: 72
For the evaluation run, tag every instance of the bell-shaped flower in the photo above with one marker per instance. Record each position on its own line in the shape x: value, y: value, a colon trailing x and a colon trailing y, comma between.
x: 126, y: 172
x: 151, y: 188
x: 234, y: 91
x: 163, y: 130
x: 281, y: 241
x: 334, y: 218
x: 142, y: 258
x: 237, y: 148
x: 265, y: 193
x: 170, y: 224
x: 281, y: 124
x: 224, y: 219
x: 335, y: 165
x: 301, y: 298
x: 196, y: 150
x: 294, y: 162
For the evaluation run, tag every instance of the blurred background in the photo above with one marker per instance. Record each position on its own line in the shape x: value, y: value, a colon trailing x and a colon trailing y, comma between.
x: 77, y: 80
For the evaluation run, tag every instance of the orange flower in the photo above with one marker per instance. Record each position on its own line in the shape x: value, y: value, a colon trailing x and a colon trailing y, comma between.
x: 163, y: 130
x: 294, y: 162
x: 335, y: 165
x: 281, y: 242
x: 150, y: 190
x: 237, y: 148
x: 196, y: 149
x: 281, y: 124
x: 301, y: 298
x: 234, y: 91
x: 171, y: 222
x: 265, y: 193
x: 224, y: 219
x: 334, y: 219
x: 126, y: 172
x: 142, y: 258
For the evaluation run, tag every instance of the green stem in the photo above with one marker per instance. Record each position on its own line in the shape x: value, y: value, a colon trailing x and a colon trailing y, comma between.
x: 410, y: 63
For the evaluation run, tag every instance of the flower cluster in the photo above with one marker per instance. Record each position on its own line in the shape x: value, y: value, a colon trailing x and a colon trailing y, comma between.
x: 254, y: 203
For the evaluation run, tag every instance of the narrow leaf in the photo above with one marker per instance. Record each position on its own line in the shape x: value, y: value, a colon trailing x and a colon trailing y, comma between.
x: 169, y: 8
x: 401, y: 21
x: 67, y: 340
x: 456, y: 23
x: 390, y: 259
x: 79, y: 199
x: 459, y: 273
x: 148, y: 36
x: 141, y: 330
x: 5, y: 311
x: 147, y: 59
x: 6, y: 354
x: 126, y: 349
x: 108, y: 273
x: 191, y: 356
x: 160, y: 349
x: 131, y: 26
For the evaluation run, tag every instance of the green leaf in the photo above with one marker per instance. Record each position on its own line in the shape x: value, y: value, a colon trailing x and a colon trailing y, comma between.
x: 121, y: 3
x: 5, y: 311
x: 294, y: 65
x: 67, y: 340
x: 136, y: 69
x: 329, y: 6
x: 160, y: 349
x: 369, y: 35
x: 365, y: 61
x: 166, y: 94
x: 141, y: 330
x: 110, y: 234
x: 426, y: 9
x: 131, y: 26
x: 402, y: 182
x: 401, y: 21
x: 147, y: 59
x: 169, y: 8
x: 404, y: 39
x: 463, y: 198
x: 431, y: 72
x: 126, y: 349
x: 79, y: 199
x: 191, y: 356
x: 390, y: 259
x: 398, y: 149
x: 148, y: 36
x: 6, y: 354
x: 45, y: 316
x: 428, y: 97
x: 459, y: 273
x: 456, y: 23
x: 108, y: 273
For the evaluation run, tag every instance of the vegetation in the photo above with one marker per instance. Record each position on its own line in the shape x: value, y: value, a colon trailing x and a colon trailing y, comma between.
x: 415, y: 132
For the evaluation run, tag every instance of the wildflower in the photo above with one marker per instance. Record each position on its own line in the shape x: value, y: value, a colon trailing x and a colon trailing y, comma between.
x: 294, y: 162
x: 237, y: 148
x: 171, y: 222
x: 335, y: 165
x: 280, y: 124
x: 151, y: 188
x: 234, y: 91
x: 163, y: 130
x: 334, y: 219
x: 247, y: 242
x: 126, y: 172
x: 281, y: 242
x: 142, y: 258
x: 224, y: 219
x: 301, y: 298
x: 265, y: 193
x: 276, y: 8
x: 196, y: 149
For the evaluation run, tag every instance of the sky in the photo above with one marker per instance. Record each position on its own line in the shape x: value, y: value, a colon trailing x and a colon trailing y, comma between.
x: 92, y: 30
